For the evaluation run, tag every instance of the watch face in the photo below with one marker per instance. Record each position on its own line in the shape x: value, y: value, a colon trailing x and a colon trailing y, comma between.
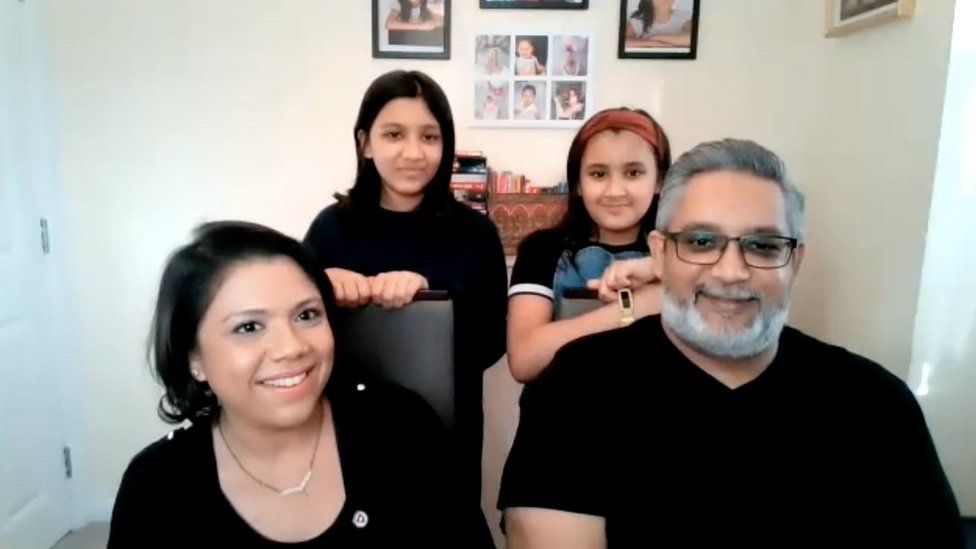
x: 625, y: 299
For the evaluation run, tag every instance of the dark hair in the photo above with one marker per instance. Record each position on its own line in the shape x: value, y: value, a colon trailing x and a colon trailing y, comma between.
x: 576, y: 224
x: 540, y: 48
x: 365, y: 192
x: 645, y: 11
x: 406, y: 6
x: 190, y: 279
x: 529, y: 87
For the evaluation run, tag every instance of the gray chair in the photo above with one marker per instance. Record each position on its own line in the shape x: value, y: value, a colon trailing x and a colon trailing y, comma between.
x: 577, y: 301
x: 412, y: 347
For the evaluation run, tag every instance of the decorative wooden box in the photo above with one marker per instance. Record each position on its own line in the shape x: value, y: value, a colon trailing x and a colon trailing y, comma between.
x: 518, y: 215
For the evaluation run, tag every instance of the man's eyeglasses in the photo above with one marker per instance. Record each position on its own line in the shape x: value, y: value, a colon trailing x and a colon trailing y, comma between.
x: 761, y: 251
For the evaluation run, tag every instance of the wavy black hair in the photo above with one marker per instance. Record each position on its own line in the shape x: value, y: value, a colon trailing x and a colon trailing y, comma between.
x: 190, y: 279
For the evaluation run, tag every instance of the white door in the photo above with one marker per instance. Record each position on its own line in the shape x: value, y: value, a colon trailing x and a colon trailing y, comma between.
x: 33, y: 484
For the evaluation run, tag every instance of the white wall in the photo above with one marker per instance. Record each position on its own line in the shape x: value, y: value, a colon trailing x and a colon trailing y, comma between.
x: 944, y: 353
x: 174, y: 112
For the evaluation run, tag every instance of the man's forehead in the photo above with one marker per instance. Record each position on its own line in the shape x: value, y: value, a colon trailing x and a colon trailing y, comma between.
x: 732, y: 202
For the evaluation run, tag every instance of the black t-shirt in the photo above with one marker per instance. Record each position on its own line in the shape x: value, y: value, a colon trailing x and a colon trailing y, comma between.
x: 459, y: 252
x: 825, y: 448
x: 545, y: 267
x: 392, y: 449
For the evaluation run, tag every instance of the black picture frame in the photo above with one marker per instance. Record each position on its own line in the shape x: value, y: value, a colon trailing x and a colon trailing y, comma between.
x: 424, y: 51
x: 647, y: 52
x: 534, y: 5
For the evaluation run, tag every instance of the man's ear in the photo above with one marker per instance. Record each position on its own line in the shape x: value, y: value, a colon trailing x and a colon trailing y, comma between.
x: 655, y: 243
x: 798, y: 254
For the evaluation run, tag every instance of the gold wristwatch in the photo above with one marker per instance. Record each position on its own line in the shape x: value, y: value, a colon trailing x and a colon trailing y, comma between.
x: 625, y: 301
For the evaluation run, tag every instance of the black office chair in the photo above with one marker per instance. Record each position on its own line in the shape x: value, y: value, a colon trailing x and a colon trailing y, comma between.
x: 412, y: 347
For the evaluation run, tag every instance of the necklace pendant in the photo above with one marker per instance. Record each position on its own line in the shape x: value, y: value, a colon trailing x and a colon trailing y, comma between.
x: 301, y: 486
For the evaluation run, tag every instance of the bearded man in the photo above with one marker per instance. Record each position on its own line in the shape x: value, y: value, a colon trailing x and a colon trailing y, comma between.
x: 713, y: 424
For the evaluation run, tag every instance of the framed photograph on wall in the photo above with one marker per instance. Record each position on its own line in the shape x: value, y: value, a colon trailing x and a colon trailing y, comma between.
x: 412, y: 29
x: 535, y: 4
x: 532, y: 80
x: 658, y: 29
x: 847, y: 16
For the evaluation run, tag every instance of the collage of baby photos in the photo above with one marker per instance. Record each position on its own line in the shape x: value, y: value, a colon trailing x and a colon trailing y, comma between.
x: 532, y: 80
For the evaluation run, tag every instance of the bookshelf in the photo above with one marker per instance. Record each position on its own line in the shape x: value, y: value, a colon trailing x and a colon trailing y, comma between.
x: 515, y: 206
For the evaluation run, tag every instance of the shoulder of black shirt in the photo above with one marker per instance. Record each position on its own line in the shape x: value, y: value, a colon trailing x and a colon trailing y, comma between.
x: 368, y: 403
x: 609, y: 360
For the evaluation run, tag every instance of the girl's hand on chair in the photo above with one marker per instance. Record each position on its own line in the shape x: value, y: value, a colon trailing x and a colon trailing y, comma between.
x: 395, y: 289
x: 351, y: 288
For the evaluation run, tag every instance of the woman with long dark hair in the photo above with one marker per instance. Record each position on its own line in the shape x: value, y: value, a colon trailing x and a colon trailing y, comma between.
x: 399, y: 230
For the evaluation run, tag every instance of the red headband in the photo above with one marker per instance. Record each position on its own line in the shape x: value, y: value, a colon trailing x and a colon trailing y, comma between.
x: 623, y: 120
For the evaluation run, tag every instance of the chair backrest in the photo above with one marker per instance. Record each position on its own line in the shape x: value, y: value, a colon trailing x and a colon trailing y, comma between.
x: 412, y: 347
x: 577, y: 301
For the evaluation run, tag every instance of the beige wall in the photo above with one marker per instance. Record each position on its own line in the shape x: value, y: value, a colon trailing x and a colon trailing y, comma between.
x: 169, y: 113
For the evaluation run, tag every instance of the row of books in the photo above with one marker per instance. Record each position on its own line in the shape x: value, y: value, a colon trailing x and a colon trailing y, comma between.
x: 472, y: 181
x: 512, y: 183
x: 469, y: 180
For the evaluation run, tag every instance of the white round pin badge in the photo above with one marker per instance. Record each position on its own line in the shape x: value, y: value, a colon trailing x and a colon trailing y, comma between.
x: 360, y: 519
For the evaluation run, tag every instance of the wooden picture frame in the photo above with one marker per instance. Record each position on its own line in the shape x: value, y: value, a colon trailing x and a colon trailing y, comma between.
x: 847, y: 16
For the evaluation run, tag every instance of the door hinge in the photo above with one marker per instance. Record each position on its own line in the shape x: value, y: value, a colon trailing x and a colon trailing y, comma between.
x: 45, y: 237
x: 67, y: 462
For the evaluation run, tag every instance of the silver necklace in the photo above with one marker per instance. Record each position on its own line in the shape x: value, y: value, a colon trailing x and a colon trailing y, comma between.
x: 284, y: 492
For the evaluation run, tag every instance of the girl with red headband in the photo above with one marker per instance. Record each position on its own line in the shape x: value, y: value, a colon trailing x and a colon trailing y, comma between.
x: 616, y: 165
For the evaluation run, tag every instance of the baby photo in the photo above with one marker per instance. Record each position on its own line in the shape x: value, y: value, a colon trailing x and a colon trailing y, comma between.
x: 529, y: 99
x: 492, y: 55
x: 491, y: 100
x: 569, y: 55
x: 531, y: 55
x: 568, y: 101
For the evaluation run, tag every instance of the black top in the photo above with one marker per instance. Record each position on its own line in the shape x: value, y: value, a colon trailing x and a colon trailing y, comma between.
x: 391, y: 449
x: 825, y: 448
x: 545, y: 267
x: 459, y: 252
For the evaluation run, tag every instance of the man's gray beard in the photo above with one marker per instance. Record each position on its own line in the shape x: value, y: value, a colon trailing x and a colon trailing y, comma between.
x: 686, y: 322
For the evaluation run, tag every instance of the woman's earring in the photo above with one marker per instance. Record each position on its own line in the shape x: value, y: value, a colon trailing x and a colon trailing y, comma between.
x: 196, y: 374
